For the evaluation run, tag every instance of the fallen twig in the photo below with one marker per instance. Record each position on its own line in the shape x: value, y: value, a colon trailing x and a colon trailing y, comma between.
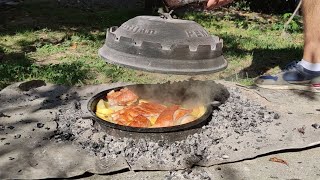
x: 262, y: 96
x: 275, y: 159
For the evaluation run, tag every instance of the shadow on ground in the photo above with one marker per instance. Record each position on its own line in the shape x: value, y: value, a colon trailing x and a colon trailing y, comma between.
x: 263, y: 59
x: 37, y: 14
x: 266, y: 59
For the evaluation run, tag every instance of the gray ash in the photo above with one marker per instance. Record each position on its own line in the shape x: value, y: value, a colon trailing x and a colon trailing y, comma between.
x: 188, y: 174
x: 241, y: 114
x: 234, y: 119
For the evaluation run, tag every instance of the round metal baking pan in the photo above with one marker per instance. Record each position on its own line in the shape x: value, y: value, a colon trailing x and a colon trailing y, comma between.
x: 102, y: 95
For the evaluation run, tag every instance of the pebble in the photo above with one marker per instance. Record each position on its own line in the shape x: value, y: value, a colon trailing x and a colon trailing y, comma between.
x: 225, y: 157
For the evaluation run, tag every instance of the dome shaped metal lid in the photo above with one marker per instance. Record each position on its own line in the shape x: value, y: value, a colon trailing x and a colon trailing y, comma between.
x: 164, y: 45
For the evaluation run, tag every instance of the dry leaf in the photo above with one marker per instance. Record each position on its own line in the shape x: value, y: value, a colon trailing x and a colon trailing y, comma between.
x: 74, y: 46
x: 302, y: 130
x: 274, y: 159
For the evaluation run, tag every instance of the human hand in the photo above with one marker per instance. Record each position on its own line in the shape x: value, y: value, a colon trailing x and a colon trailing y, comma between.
x: 217, y: 3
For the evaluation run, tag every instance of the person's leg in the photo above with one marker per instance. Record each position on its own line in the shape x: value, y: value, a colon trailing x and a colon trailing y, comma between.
x: 304, y: 71
x: 311, y: 12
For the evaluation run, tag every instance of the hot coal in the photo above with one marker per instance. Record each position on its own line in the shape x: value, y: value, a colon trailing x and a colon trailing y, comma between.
x: 40, y: 125
x: 63, y: 136
x: 236, y: 118
x: 4, y: 115
x: 17, y: 136
x: 315, y: 125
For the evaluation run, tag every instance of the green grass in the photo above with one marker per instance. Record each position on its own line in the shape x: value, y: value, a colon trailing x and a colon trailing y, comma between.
x: 41, y: 40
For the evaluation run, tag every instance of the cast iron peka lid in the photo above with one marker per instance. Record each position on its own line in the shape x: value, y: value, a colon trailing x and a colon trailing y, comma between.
x: 164, y: 45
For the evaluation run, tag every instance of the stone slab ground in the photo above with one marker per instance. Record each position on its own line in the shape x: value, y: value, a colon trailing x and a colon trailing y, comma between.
x: 33, y: 143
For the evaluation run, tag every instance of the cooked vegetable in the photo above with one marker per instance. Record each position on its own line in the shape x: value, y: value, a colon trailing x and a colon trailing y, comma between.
x: 102, y: 109
x: 198, y: 111
x: 102, y: 116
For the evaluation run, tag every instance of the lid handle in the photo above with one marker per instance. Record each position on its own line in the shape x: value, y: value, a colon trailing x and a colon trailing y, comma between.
x: 165, y: 15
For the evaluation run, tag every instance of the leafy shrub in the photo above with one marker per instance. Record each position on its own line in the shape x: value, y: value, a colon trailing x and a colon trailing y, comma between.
x: 294, y: 26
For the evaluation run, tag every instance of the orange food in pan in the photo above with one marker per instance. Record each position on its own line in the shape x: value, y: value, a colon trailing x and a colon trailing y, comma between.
x: 124, y: 107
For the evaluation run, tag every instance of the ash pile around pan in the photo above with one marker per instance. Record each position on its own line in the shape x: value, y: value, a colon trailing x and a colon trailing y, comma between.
x: 194, y: 173
x: 238, y: 129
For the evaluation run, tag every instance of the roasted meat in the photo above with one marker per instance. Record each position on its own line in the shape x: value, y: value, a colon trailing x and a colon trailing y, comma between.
x: 182, y: 116
x: 166, y: 117
x: 130, y: 113
x: 140, y: 121
x: 150, y: 109
x: 179, y: 113
x: 122, y: 97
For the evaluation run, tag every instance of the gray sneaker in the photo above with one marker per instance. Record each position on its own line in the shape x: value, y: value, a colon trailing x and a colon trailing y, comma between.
x: 294, y: 76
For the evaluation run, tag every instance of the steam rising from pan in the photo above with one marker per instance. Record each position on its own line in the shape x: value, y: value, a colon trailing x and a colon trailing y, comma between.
x: 189, y: 93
